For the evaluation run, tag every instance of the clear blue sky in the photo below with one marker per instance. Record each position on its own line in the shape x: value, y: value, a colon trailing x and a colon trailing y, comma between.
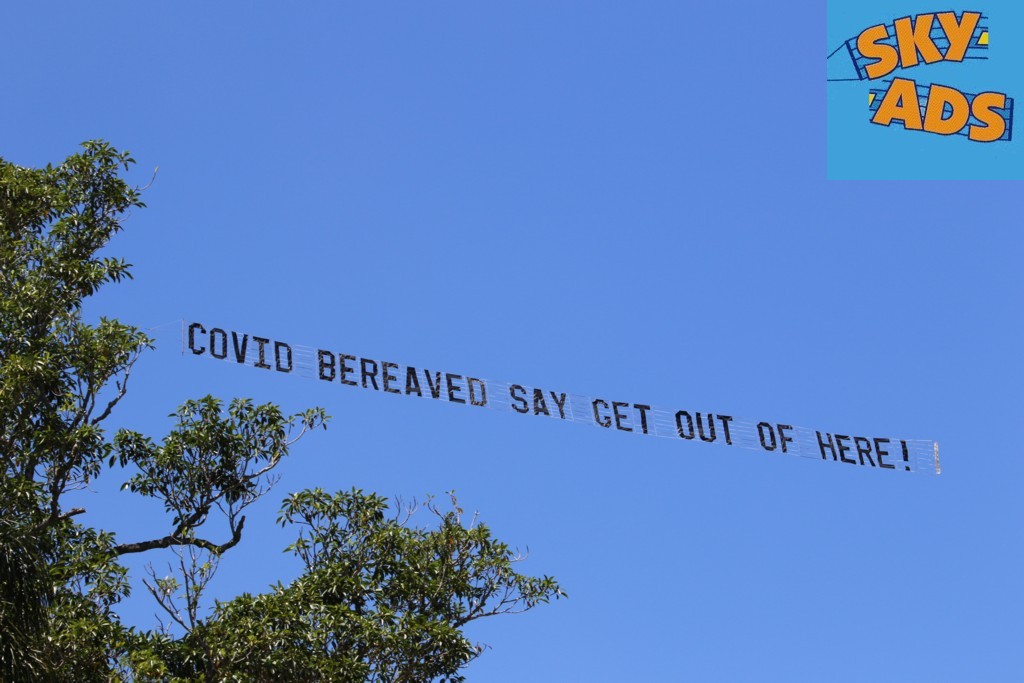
x: 623, y: 199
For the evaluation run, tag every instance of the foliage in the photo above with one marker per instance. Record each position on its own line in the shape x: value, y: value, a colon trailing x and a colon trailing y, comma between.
x: 23, y: 598
x: 379, y: 600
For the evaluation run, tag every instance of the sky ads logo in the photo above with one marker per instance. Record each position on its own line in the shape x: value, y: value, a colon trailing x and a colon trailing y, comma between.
x: 908, y: 42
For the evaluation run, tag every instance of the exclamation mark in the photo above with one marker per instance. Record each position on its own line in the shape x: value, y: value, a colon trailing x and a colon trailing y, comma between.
x: 906, y: 455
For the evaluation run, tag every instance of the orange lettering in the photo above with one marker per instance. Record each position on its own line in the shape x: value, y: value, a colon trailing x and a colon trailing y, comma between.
x: 983, y: 108
x: 959, y: 33
x: 869, y: 46
x: 938, y: 97
x: 900, y: 103
x: 914, y: 37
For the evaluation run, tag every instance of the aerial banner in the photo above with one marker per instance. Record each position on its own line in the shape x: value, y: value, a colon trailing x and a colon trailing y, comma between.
x: 684, y: 423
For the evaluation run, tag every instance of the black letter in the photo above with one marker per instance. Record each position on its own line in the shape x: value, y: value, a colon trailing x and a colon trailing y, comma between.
x: 320, y: 356
x: 192, y: 338
x: 412, y: 382
x: 605, y: 422
x: 643, y: 415
x: 389, y: 378
x: 725, y: 420
x: 263, y: 352
x: 843, y: 449
x: 560, y: 403
x: 223, y: 344
x: 344, y: 369
x: 679, y: 424
x: 435, y: 386
x: 472, y: 394
x: 277, y: 356
x: 881, y: 453
x: 452, y: 389
x: 512, y: 389
x: 618, y: 418
x: 771, y: 433
x: 822, y: 446
x: 239, y: 351
x: 784, y: 438
x: 711, y: 427
x: 863, y: 449
x: 906, y: 455
x: 539, y: 406
x: 371, y: 375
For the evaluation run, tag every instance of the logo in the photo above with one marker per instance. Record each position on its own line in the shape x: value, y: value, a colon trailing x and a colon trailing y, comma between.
x: 876, y: 52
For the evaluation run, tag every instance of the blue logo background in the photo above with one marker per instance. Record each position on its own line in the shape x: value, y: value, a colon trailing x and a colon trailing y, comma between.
x: 858, y: 149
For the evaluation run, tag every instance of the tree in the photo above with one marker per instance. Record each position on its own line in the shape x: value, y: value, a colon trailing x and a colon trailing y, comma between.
x: 381, y: 599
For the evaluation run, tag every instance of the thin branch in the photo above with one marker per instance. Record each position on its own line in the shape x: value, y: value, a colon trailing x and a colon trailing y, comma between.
x: 150, y: 183
x: 122, y: 389
x: 165, y: 601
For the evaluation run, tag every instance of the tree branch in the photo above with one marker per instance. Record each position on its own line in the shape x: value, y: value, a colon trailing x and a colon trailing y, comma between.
x: 181, y: 540
x: 55, y: 517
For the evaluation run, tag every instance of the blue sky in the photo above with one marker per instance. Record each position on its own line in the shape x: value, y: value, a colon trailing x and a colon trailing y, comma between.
x: 610, y: 198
